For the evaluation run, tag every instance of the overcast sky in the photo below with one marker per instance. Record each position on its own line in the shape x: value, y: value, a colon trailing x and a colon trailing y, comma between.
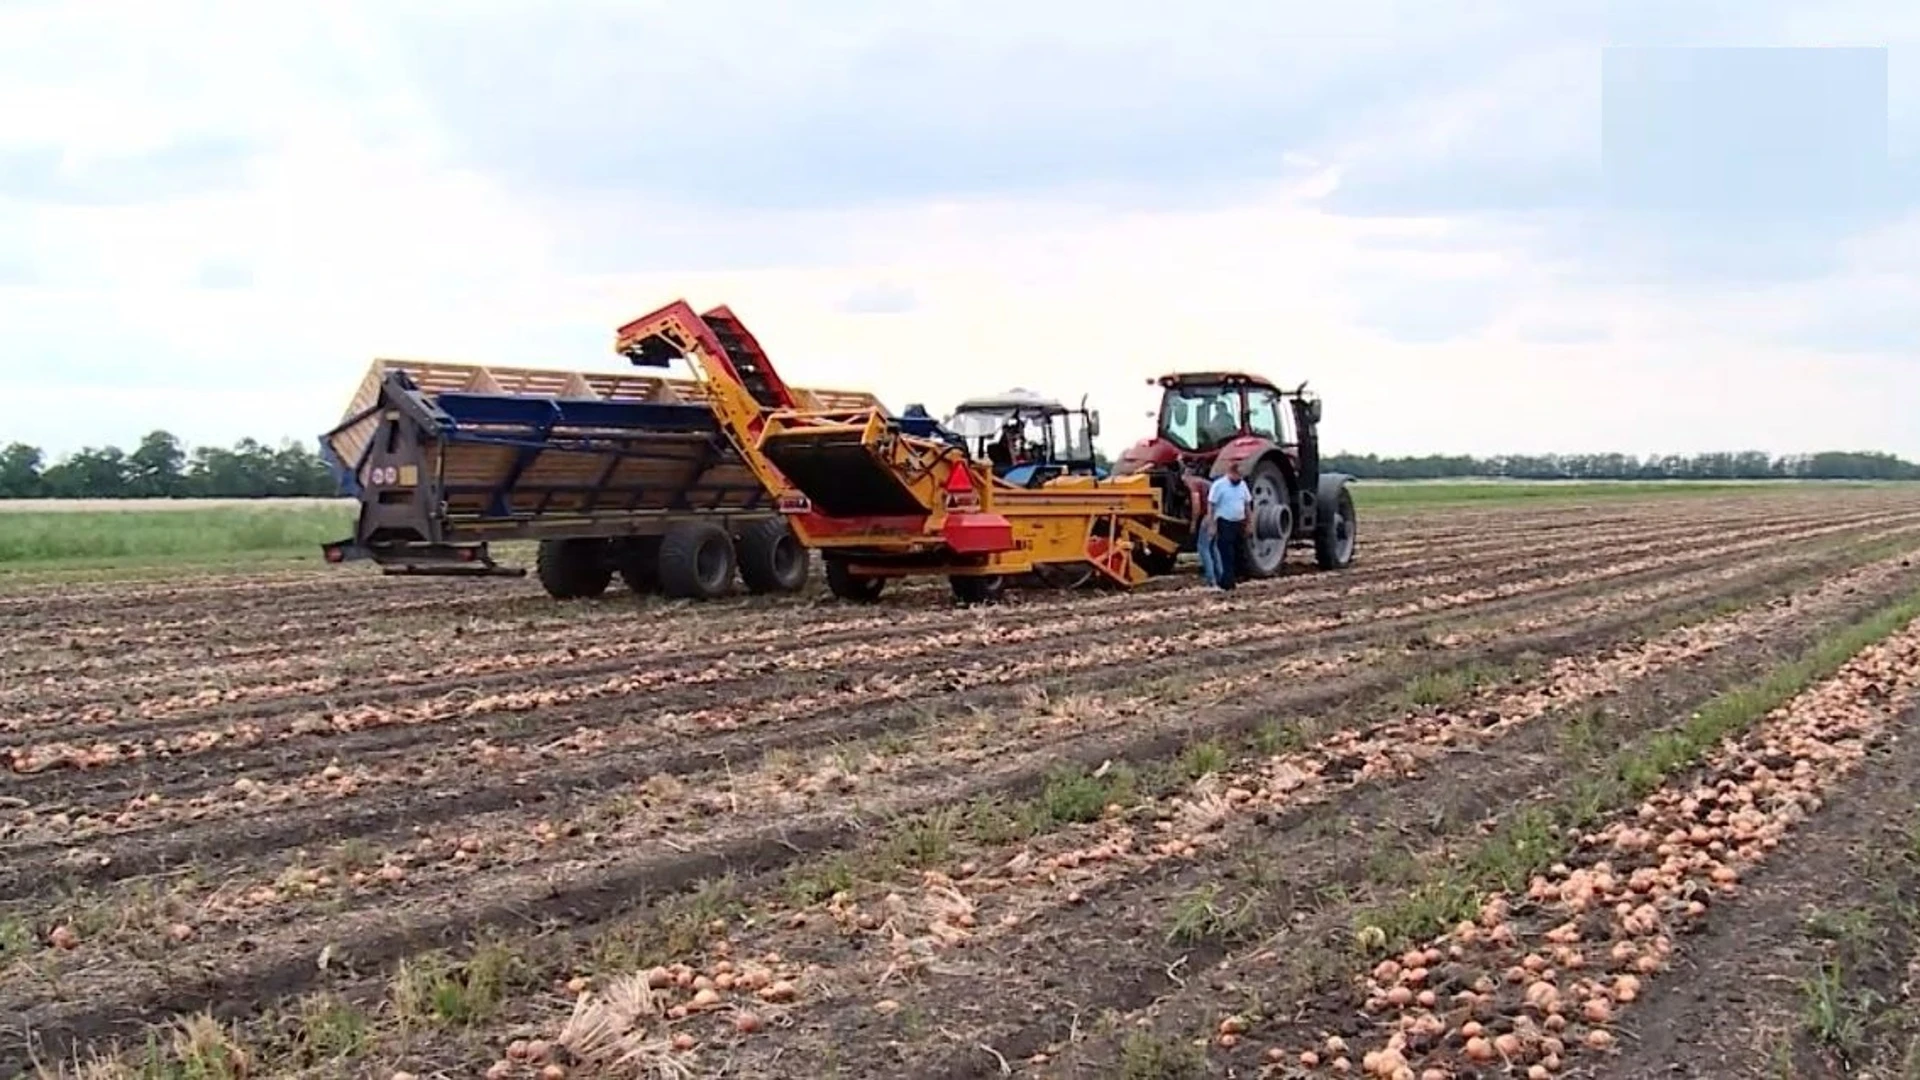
x: 1471, y: 226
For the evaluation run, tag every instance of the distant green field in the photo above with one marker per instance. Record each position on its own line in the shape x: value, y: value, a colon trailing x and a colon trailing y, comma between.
x: 147, y: 532
x: 1391, y: 494
x: 107, y: 534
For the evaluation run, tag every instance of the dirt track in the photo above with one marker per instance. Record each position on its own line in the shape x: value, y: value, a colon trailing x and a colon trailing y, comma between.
x: 1065, y: 833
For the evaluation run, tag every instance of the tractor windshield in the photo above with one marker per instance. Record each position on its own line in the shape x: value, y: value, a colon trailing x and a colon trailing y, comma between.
x: 1049, y: 434
x: 1196, y: 418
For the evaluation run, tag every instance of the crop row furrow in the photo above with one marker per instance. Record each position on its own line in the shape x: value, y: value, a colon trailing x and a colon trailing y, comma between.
x: 609, y: 885
x: 355, y: 670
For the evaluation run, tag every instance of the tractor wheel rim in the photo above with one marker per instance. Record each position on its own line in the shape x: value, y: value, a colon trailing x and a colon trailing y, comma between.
x: 1343, y: 537
x: 1266, y: 499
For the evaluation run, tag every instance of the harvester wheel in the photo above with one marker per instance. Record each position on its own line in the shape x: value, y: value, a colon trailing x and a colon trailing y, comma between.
x: 771, y: 558
x: 1064, y: 576
x: 696, y: 561
x: 574, y: 568
x: 1269, y: 521
x: 1333, y: 539
x: 974, y: 589
x: 1155, y: 562
x: 638, y: 561
x: 846, y: 585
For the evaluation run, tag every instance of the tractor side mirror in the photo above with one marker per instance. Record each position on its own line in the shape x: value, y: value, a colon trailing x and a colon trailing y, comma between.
x: 1093, y: 424
x: 1313, y: 410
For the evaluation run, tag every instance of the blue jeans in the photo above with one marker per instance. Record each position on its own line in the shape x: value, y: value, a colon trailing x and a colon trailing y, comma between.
x: 1209, y: 558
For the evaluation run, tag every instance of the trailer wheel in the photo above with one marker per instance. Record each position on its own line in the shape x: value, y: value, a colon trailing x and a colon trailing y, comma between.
x: 573, y: 569
x: 1333, y: 539
x: 771, y: 558
x: 1269, y: 521
x: 972, y: 589
x: 637, y: 559
x: 846, y: 585
x: 696, y: 561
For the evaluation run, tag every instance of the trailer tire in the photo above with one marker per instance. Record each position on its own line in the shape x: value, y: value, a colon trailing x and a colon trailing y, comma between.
x: 1333, y: 539
x: 696, y: 561
x: 573, y: 569
x: 771, y: 558
x: 844, y: 584
x: 637, y: 560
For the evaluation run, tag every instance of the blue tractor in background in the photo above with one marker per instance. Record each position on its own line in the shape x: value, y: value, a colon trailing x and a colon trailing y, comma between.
x: 1028, y: 439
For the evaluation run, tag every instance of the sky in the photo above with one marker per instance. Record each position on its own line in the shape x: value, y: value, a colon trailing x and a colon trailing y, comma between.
x: 1505, y: 226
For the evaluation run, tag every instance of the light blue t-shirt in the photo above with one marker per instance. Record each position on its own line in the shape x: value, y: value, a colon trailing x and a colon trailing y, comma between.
x: 1228, y: 499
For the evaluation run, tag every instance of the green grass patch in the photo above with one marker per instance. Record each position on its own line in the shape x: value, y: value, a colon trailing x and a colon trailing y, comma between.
x: 1075, y: 797
x: 433, y: 989
x: 1207, y: 915
x: 35, y: 538
x: 329, y: 1030
x: 1149, y: 1057
x: 1449, y: 685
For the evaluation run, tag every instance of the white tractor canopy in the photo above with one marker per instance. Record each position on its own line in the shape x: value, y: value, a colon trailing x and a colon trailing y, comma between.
x: 983, y: 417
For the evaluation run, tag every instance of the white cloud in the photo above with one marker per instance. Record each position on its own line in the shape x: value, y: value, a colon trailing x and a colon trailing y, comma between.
x: 1068, y: 205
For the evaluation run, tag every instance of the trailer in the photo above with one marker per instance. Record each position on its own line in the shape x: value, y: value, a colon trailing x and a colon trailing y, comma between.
x: 881, y: 501
x: 625, y: 474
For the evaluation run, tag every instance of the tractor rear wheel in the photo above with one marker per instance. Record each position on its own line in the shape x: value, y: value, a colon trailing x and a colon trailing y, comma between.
x: 1333, y: 539
x: 771, y: 558
x: 637, y: 559
x: 844, y: 584
x: 696, y: 561
x: 573, y: 569
x: 972, y: 589
x: 1269, y: 521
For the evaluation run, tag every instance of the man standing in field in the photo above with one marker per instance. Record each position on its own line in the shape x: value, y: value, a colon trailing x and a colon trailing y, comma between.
x: 1227, y: 501
x: 1208, y: 550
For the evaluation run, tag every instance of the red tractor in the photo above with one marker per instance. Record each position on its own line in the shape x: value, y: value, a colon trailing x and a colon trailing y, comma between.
x: 1209, y: 420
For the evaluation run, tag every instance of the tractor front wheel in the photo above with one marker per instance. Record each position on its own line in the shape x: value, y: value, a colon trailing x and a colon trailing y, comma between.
x: 1333, y: 539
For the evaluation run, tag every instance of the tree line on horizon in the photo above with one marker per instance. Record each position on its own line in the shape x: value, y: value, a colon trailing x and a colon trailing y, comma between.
x: 162, y: 466
x: 1743, y: 465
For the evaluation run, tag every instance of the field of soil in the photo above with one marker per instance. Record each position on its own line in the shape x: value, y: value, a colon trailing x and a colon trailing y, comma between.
x: 1615, y: 789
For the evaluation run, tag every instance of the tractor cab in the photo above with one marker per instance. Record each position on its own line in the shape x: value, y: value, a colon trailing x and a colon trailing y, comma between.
x: 1027, y: 438
x: 1201, y: 414
x: 1208, y: 420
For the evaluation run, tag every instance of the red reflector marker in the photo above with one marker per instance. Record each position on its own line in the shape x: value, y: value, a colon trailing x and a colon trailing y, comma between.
x: 960, y: 493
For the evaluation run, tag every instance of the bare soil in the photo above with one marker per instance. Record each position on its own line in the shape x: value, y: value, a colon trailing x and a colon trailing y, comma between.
x: 950, y: 838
